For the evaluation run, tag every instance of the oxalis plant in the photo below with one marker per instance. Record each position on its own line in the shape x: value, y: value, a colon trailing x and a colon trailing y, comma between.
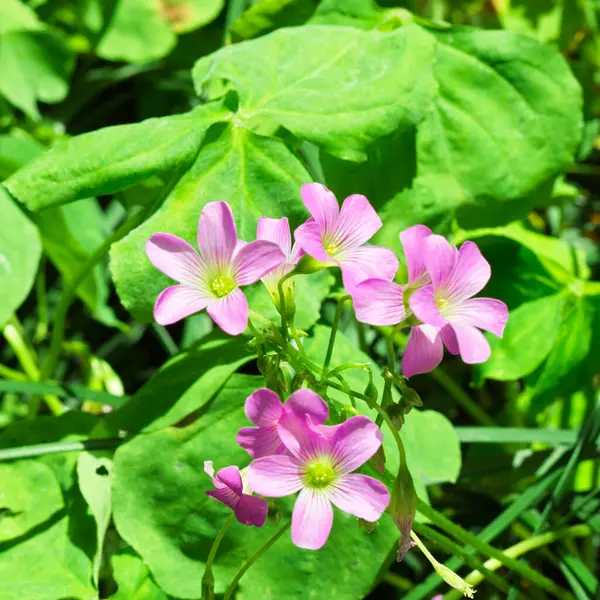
x: 320, y: 320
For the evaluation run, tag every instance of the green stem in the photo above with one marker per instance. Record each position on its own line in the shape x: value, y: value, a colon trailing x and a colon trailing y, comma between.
x: 253, y: 559
x: 12, y: 374
x: 165, y: 339
x: 208, y: 579
x: 401, y: 583
x: 284, y: 327
x: 58, y: 447
x: 468, y: 538
x: 334, y: 328
x: 41, y: 330
x: 524, y: 547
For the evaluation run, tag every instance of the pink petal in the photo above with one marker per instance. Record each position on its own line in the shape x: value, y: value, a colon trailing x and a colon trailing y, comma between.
x: 309, y: 238
x: 474, y: 348
x: 423, y: 352
x: 486, y: 313
x: 230, y: 476
x: 321, y: 204
x: 366, y: 262
x: 263, y: 407
x: 217, y: 236
x: 260, y: 441
x: 422, y: 303
x: 274, y: 476
x: 361, y: 496
x: 312, y: 519
x: 177, y: 302
x: 276, y: 231
x: 357, y: 223
x: 470, y: 273
x: 413, y: 242
x: 448, y: 336
x: 355, y: 442
x: 299, y: 437
x: 251, y: 510
x: 306, y: 402
x: 175, y: 258
x: 378, y: 302
x: 230, y: 312
x: 224, y: 495
x: 256, y: 259
x: 440, y: 258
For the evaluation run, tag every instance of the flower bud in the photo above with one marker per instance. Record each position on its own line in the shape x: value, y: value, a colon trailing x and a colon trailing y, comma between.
x: 402, y: 508
x: 307, y: 264
x: 378, y: 460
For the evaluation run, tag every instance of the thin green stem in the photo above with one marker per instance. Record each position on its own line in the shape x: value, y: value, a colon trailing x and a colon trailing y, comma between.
x: 524, y: 547
x: 334, y: 328
x: 12, y: 374
x: 282, y: 308
x: 208, y: 579
x: 57, y: 448
x: 401, y: 583
x: 253, y: 559
x: 41, y: 330
x: 165, y: 339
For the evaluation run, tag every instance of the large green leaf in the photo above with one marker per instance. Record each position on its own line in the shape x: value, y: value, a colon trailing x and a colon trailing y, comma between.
x: 161, y: 510
x: 20, y: 252
x: 337, y: 87
x: 133, y: 578
x: 257, y: 175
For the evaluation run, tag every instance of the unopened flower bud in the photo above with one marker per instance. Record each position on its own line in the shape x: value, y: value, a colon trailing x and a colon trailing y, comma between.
x: 402, y: 508
x: 378, y: 460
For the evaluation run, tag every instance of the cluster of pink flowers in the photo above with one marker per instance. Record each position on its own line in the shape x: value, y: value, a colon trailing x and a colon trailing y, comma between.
x: 437, y: 299
x: 294, y: 451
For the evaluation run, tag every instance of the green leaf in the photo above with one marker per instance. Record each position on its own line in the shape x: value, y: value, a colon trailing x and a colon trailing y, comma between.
x: 16, y: 151
x: 183, y: 385
x: 337, y: 87
x: 529, y: 337
x: 138, y: 30
x: 133, y: 578
x: 255, y: 174
x: 20, y: 252
x: 363, y: 14
x: 161, y: 510
x: 516, y: 435
x: 112, y: 159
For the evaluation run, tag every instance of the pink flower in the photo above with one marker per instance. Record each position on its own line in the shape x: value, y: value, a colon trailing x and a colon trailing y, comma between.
x: 448, y: 310
x: 210, y: 280
x: 265, y: 410
x: 278, y: 232
x: 231, y: 491
x: 334, y: 235
x: 320, y: 468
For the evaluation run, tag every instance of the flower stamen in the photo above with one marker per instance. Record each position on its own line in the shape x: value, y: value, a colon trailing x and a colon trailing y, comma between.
x: 222, y: 286
x: 319, y: 475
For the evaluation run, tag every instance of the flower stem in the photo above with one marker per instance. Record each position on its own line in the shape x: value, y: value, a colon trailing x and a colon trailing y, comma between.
x: 282, y: 308
x: 208, y: 579
x: 12, y: 374
x: 253, y: 559
x: 334, y: 328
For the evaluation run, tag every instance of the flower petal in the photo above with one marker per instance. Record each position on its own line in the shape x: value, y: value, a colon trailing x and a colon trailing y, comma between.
x: 366, y: 262
x: 473, y: 346
x: 224, y: 495
x: 263, y: 407
x: 309, y: 238
x: 423, y: 352
x: 276, y: 231
x: 486, y: 313
x: 256, y: 259
x: 302, y: 440
x: 209, y: 468
x: 230, y: 312
x: 448, y: 337
x: 251, y: 510
x: 175, y: 258
x: 422, y: 303
x: 470, y: 273
x: 321, y: 204
x: 358, y: 222
x: 306, y: 402
x: 312, y: 519
x: 274, y: 476
x: 440, y: 258
x: 260, y: 441
x: 361, y: 496
x: 355, y: 442
x: 217, y: 236
x: 378, y: 302
x: 413, y: 242
x: 177, y: 302
x: 231, y: 477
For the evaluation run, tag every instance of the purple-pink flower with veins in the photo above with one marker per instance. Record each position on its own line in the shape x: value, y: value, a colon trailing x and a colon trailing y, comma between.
x: 278, y: 232
x: 265, y: 410
x: 320, y: 468
x: 232, y: 492
x: 211, y: 279
x: 337, y: 235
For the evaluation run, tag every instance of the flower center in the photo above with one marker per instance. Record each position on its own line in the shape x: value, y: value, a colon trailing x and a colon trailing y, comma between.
x: 221, y: 286
x: 319, y: 474
x: 442, y: 303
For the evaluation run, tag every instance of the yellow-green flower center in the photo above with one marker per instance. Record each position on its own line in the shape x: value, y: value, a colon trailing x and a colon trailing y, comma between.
x: 442, y: 303
x: 221, y: 286
x: 319, y: 474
